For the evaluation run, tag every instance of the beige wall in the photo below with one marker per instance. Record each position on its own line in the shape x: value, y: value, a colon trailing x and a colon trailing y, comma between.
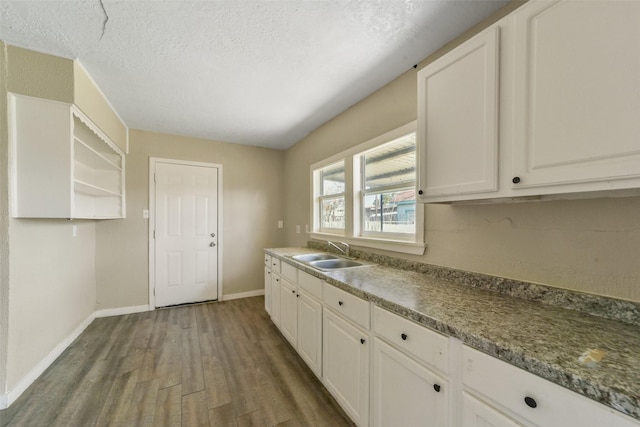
x: 4, y: 225
x: 89, y: 98
x: 253, y: 201
x: 53, y: 288
x: 585, y: 245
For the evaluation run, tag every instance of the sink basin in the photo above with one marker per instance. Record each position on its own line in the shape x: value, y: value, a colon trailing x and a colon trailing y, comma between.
x: 335, y: 264
x: 313, y: 257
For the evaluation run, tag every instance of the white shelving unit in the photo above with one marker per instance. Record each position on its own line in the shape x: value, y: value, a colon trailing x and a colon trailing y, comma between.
x: 63, y: 165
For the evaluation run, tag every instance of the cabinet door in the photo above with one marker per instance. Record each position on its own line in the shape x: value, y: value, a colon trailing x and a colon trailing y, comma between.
x: 289, y: 312
x: 310, y: 332
x: 476, y: 413
x: 345, y: 365
x: 267, y: 290
x: 276, y: 286
x: 577, y: 108
x: 458, y: 120
x: 405, y: 392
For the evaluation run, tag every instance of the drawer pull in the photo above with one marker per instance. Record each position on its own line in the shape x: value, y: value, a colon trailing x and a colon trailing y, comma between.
x: 362, y: 341
x: 340, y: 303
x: 436, y: 387
x: 403, y: 336
x: 531, y: 402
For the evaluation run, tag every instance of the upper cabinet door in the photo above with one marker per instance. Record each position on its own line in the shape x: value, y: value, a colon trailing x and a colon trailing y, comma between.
x: 577, y: 95
x: 458, y: 120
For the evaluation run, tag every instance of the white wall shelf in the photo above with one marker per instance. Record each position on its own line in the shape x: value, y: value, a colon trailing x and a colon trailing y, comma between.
x: 62, y: 165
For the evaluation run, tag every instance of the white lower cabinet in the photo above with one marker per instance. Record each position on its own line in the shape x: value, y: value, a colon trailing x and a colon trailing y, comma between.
x: 529, y: 399
x: 405, y: 393
x: 289, y: 312
x: 476, y: 413
x: 310, y: 332
x: 345, y: 371
x: 276, y: 287
x: 267, y: 289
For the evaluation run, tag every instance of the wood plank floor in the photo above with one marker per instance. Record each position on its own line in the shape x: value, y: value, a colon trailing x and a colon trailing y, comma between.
x: 215, y: 364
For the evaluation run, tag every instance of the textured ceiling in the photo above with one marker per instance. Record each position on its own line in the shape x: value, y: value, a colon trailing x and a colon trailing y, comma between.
x: 253, y: 72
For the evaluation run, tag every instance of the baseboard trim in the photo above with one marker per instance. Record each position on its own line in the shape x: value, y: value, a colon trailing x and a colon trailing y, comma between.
x: 243, y: 295
x: 7, y: 399
x: 119, y: 311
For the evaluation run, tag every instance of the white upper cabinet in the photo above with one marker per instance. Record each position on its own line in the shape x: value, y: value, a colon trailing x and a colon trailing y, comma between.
x: 458, y: 120
x: 566, y: 122
x: 577, y: 95
x: 62, y: 165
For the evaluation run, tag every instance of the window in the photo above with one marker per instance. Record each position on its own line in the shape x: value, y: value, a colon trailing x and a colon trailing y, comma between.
x: 331, y: 197
x: 367, y: 194
x: 388, y: 191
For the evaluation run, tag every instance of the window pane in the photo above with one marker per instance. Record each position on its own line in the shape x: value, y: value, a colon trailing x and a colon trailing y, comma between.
x: 333, y: 179
x: 332, y: 212
x: 391, y: 164
x: 393, y: 212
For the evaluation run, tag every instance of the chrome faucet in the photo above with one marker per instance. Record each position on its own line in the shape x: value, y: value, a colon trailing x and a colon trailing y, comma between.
x: 344, y: 251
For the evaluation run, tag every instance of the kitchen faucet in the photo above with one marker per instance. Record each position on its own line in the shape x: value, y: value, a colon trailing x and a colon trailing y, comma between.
x: 344, y: 251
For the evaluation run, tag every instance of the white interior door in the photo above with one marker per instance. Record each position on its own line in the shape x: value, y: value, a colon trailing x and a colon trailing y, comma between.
x: 186, y: 233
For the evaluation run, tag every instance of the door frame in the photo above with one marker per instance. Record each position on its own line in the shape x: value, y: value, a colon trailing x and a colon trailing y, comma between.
x: 153, y: 161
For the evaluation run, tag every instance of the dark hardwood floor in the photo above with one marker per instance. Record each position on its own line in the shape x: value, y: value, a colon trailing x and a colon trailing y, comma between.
x: 214, y: 364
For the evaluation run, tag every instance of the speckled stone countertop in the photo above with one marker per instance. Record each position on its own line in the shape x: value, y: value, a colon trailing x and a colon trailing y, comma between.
x: 541, y: 338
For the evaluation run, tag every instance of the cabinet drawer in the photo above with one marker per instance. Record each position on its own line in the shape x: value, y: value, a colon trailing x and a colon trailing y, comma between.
x: 426, y: 345
x: 309, y: 284
x: 289, y: 272
x: 350, y: 306
x: 275, y: 265
x: 531, y: 398
x: 267, y: 260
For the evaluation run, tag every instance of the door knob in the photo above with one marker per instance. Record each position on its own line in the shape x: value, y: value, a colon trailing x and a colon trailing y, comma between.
x: 212, y: 244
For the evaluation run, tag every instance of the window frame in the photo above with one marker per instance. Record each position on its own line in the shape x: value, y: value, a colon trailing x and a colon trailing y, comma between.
x: 319, y: 175
x: 354, y: 201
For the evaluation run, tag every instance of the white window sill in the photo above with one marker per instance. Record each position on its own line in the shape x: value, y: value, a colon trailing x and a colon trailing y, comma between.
x: 399, y: 246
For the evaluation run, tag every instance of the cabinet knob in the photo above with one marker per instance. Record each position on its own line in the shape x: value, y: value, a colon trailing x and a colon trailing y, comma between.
x: 293, y: 292
x: 362, y: 341
x: 340, y: 303
x: 531, y: 402
x: 516, y: 180
x: 420, y: 191
x: 436, y: 387
x: 298, y: 296
x: 403, y: 336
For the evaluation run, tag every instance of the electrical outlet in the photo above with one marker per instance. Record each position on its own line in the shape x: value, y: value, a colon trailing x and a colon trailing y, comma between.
x: 297, y: 229
x: 280, y: 224
x: 74, y: 231
x: 306, y: 228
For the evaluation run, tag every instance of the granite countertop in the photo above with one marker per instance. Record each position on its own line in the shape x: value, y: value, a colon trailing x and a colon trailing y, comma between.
x: 543, y: 339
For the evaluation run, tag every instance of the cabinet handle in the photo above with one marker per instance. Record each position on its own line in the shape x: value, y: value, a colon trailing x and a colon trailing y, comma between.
x: 420, y: 191
x: 516, y: 180
x: 340, y: 303
x: 436, y: 387
x: 362, y: 341
x: 403, y: 336
x: 531, y: 402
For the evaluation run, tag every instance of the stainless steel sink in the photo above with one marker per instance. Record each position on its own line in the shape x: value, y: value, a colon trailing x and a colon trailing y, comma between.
x: 313, y: 257
x: 335, y: 264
